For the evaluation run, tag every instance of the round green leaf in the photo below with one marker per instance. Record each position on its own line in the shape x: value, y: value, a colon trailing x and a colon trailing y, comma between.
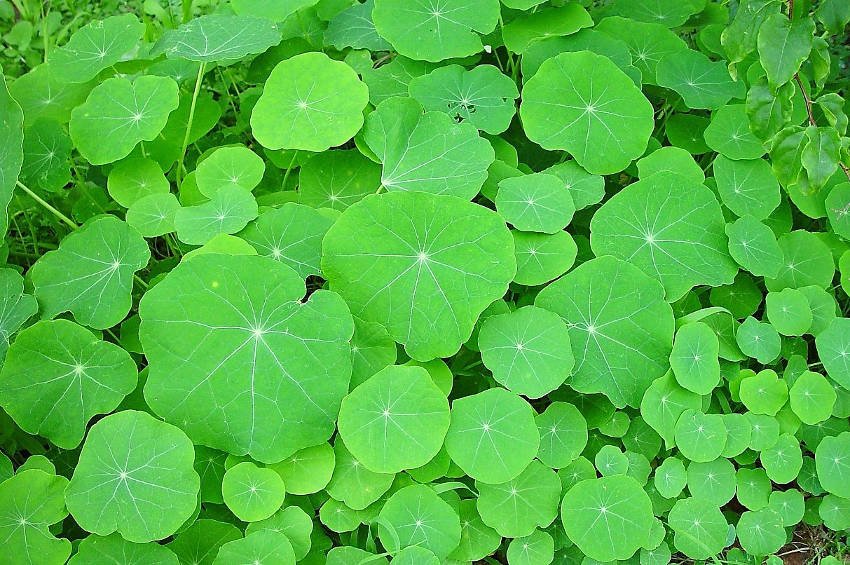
x: 542, y: 257
x: 31, y: 502
x: 563, y: 434
x: 227, y: 212
x: 134, y: 476
x: 536, y: 203
x: 252, y: 493
x: 416, y: 515
x: 761, y: 532
x: 789, y: 311
x: 694, y: 358
x: 153, y: 215
x: 517, y: 507
x: 308, y: 470
x: 747, y: 187
x: 663, y: 403
x: 47, y: 150
x: 699, y: 527
x: 261, y: 373
x: 833, y: 346
x: 729, y: 134
x: 91, y: 274
x: 395, y: 420
x: 482, y: 96
x: 291, y: 521
x: 670, y: 477
x: 807, y: 261
x: 477, y: 540
x: 429, y: 275
x: 134, y: 178
x: 96, y: 46
x: 227, y: 168
x: 309, y: 102
x: 353, y: 27
x: 701, y: 82
x: 120, y: 113
x: 584, y: 104
x: 608, y: 518
x: 623, y: 319
x: 337, y: 179
x: 670, y: 228
x: 492, y: 435
x: 528, y: 350
x: 266, y: 546
x: 764, y: 393
x: 832, y: 458
x: 782, y: 461
x: 58, y: 375
x: 218, y: 37
x: 115, y: 549
x: 352, y: 483
x: 758, y: 340
x: 434, y: 32
x: 714, y: 481
x: 753, y: 246
x: 700, y: 437
x: 200, y: 542
x: 533, y: 549
x: 812, y: 398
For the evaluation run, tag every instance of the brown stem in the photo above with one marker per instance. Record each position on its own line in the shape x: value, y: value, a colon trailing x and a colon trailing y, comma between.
x: 806, y: 99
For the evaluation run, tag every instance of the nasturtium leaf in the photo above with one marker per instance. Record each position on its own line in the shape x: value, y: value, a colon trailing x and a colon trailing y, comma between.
x: 528, y: 350
x: 783, y: 45
x: 265, y: 546
x: 96, y: 46
x: 12, y: 156
x: 416, y: 515
x: 789, y: 504
x: 670, y: 228
x: 339, y: 518
x: 760, y: 532
x: 782, y: 461
x: 833, y: 347
x: 227, y: 212
x: 671, y: 13
x: 538, y: 547
x: 789, y: 312
x: 647, y: 42
x: 428, y: 275
x: 694, y: 358
x: 426, y: 152
x: 542, y: 257
x: 613, y: 311
x: 227, y: 168
x: 702, y: 83
x: 700, y: 528
x: 838, y: 209
x: 492, y: 435
x: 352, y: 483
x: 812, y: 398
x: 527, y: 29
x: 713, y: 481
x: 218, y: 37
x: 700, y: 437
x: 764, y: 431
x: 134, y: 476
x: 764, y: 393
x: 758, y: 340
x: 291, y: 234
x: 291, y: 521
x: 807, y: 261
x: 585, y: 188
x: 609, y: 460
x: 537, y: 202
x: 393, y: 78
x: 729, y: 134
x: 477, y: 540
x: 260, y: 344
x: 517, y: 507
x: 832, y: 458
x: 337, y: 179
x: 671, y: 160
x: 153, y: 215
x: 91, y: 274
x: 823, y: 305
x: 607, y: 518
x: 134, y: 178
x: 119, y: 113
x: 395, y: 420
x: 16, y: 307
x: 584, y: 104
x: 686, y: 131
x: 353, y: 27
x: 308, y: 470
x: 47, y: 150
x: 563, y: 434
x: 482, y: 96
x: 31, y: 502
x: 754, y: 247
x: 115, y: 549
x: 670, y: 477
x: 309, y: 102
x: 747, y: 186
x: 252, y: 493
x: 435, y: 31
x: 58, y: 375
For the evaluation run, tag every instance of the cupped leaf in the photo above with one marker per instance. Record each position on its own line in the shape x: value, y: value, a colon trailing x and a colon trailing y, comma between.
x: 416, y: 515
x: 527, y: 350
x: 492, y: 436
x: 252, y: 493
x: 584, y: 104
x: 435, y: 31
x: 262, y: 373
x: 91, y: 274
x: 218, y: 37
x: 537, y: 203
x: 309, y: 102
x: 134, y: 477
x: 119, y: 113
x: 621, y: 330
x: 58, y: 375
x: 432, y: 264
x: 671, y: 228
x: 395, y: 420
x: 563, y: 434
x: 607, y: 518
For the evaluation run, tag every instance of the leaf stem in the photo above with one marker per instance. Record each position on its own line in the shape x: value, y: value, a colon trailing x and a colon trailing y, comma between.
x: 46, y: 205
x: 181, y: 167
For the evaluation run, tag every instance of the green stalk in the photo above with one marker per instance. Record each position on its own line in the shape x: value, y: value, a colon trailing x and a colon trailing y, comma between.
x: 180, y: 165
x: 46, y: 205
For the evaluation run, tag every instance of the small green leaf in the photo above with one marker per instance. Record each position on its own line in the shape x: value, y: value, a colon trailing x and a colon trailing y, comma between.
x: 252, y: 493
x: 783, y: 44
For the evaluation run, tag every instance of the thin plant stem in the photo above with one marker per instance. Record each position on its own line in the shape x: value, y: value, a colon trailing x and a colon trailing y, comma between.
x: 181, y: 167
